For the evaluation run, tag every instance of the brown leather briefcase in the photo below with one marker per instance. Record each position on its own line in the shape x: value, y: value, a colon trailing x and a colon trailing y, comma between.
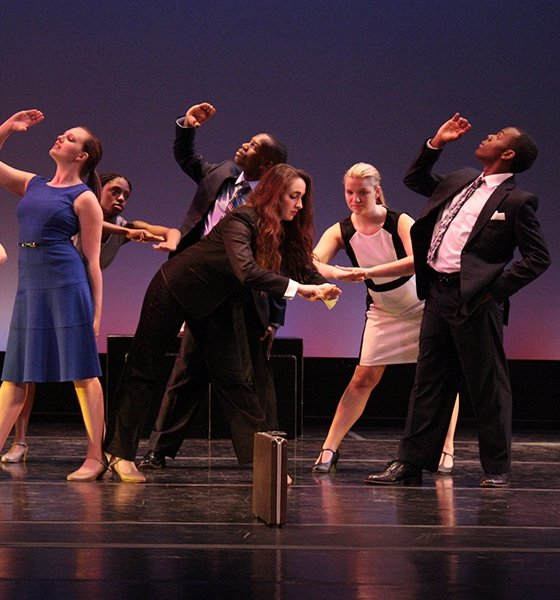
x: 270, y: 487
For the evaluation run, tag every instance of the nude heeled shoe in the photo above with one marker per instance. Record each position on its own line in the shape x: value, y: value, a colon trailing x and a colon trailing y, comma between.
x: 134, y: 477
x: 89, y: 475
x: 17, y: 453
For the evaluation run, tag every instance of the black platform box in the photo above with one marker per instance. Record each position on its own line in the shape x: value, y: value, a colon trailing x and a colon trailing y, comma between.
x: 287, y: 365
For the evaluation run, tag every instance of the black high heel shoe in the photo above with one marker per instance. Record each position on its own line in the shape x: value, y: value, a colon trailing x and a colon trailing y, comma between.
x: 326, y: 467
x: 446, y: 469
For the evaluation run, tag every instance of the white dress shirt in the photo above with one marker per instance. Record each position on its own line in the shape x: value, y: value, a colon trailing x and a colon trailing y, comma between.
x: 448, y: 255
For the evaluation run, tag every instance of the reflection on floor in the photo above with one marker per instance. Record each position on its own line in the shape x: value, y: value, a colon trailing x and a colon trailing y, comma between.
x: 189, y: 532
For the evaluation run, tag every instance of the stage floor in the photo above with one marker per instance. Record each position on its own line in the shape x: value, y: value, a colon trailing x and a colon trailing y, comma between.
x: 189, y: 532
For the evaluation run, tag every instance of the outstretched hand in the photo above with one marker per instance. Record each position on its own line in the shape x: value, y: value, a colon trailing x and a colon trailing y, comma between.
x: 22, y: 120
x: 450, y: 131
x: 329, y: 291
x: 165, y: 246
x: 325, y: 291
x: 199, y: 113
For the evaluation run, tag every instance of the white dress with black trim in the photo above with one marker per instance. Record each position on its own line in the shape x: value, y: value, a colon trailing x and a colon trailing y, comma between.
x: 394, y: 312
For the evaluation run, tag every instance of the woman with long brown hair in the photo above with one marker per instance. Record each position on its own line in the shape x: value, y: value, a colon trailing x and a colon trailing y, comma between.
x: 265, y: 245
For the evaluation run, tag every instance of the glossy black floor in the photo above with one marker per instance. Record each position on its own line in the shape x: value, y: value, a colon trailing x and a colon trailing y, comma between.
x: 189, y: 532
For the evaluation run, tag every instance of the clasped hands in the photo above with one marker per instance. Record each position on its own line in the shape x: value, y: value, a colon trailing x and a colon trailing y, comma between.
x: 162, y: 243
x: 350, y: 274
x: 143, y: 236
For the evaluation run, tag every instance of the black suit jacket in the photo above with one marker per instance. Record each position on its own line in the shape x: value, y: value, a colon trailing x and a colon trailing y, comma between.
x: 210, y: 177
x: 206, y: 274
x: 492, y: 242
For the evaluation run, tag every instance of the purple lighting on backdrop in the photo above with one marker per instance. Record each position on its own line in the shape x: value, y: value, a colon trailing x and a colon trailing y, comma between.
x: 339, y: 82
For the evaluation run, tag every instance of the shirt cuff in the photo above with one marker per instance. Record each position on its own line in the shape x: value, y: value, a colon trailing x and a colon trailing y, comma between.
x: 181, y: 123
x: 291, y: 290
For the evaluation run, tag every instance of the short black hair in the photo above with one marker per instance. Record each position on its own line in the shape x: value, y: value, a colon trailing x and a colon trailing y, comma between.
x: 525, y: 150
x: 107, y: 177
x: 276, y: 152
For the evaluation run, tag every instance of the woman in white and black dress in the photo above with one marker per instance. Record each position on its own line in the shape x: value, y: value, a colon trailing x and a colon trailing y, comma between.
x: 377, y: 241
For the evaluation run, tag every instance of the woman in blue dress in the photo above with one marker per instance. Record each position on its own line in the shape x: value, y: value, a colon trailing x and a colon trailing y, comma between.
x: 117, y: 231
x: 58, y: 301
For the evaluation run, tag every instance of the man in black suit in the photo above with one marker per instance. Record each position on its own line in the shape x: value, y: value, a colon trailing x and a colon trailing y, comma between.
x: 188, y: 383
x: 463, y: 245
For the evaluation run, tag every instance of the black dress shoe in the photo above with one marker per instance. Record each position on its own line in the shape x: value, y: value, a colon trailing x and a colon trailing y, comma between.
x: 397, y: 473
x: 499, y: 480
x: 152, y: 460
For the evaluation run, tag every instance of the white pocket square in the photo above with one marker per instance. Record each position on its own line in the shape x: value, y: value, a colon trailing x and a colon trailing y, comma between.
x: 498, y: 216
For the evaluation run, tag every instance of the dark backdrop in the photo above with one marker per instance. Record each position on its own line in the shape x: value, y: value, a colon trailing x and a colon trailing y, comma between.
x: 338, y: 81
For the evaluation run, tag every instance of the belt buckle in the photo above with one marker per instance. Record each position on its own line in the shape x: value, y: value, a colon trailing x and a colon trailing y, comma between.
x: 448, y: 278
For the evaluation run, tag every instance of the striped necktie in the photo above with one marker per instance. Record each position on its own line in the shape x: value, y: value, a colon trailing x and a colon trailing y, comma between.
x: 445, y: 222
x: 238, y: 197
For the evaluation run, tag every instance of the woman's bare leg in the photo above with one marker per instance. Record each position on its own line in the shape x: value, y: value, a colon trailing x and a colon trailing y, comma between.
x: 446, y: 460
x: 351, y: 405
x: 22, y: 422
x: 90, y: 397
x: 12, y: 400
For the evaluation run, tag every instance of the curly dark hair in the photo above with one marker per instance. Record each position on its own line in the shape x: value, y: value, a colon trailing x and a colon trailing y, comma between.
x: 283, y: 246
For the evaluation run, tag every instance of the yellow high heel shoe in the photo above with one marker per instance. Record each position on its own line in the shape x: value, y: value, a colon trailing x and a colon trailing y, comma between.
x: 17, y: 453
x: 133, y: 477
x: 80, y: 475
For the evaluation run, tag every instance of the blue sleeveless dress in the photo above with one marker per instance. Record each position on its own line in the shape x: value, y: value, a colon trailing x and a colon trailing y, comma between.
x: 51, y: 335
